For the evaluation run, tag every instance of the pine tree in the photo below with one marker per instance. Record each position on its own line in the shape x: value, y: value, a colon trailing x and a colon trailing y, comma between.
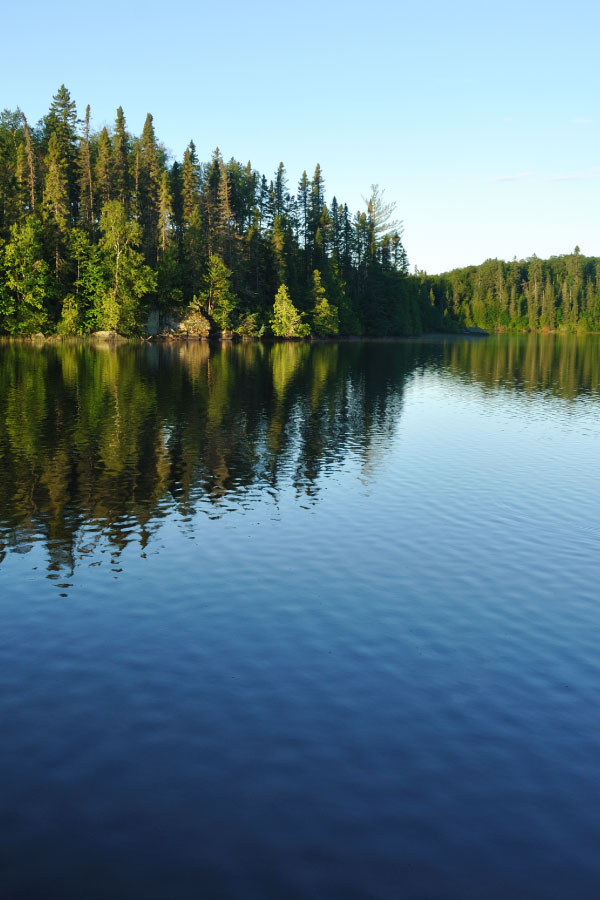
x: 380, y: 217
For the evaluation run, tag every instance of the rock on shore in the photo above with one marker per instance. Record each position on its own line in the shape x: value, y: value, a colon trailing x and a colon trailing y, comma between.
x: 107, y: 336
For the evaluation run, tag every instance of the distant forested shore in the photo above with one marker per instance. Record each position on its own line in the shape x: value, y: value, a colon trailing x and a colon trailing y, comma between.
x: 100, y: 230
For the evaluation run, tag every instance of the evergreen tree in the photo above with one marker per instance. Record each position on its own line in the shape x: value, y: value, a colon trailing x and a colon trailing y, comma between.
x: 86, y: 185
x: 120, y: 160
x: 81, y: 307
x: 165, y: 207
x: 217, y: 297
x: 103, y: 169
x: 61, y: 122
x: 316, y: 203
x: 56, y: 201
x: 325, y: 316
x: 191, y: 222
x: 225, y: 224
x: 148, y: 188
x: 31, y: 167
x: 303, y: 209
x: 281, y: 197
x: 211, y: 203
x: 287, y: 321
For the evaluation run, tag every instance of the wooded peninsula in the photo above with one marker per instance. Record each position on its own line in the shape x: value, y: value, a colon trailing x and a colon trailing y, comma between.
x: 97, y: 229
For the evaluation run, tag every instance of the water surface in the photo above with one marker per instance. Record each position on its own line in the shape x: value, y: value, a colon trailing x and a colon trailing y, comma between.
x: 294, y: 621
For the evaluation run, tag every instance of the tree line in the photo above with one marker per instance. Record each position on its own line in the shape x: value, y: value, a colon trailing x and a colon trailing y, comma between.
x: 96, y: 226
x: 558, y: 294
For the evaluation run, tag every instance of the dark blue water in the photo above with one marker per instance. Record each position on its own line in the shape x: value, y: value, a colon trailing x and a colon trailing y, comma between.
x: 291, y: 621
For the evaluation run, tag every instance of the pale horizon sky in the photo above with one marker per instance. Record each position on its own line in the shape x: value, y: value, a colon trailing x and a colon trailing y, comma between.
x: 480, y: 122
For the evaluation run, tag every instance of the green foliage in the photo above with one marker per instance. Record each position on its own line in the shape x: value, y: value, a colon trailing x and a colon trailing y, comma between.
x: 71, y: 317
x: 527, y: 295
x: 216, y: 294
x: 287, y: 321
x: 26, y: 281
x: 221, y: 231
x: 325, y: 316
x: 249, y: 325
x: 90, y: 281
x: 117, y: 307
x: 217, y: 230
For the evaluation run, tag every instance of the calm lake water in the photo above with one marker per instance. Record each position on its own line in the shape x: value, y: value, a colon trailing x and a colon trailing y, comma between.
x: 300, y: 622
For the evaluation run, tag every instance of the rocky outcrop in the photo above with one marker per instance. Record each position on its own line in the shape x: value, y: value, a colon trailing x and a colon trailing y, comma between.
x: 190, y: 323
x: 107, y: 336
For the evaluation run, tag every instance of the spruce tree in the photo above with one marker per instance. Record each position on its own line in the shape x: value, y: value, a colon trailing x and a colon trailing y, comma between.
x: 325, y: 316
x: 86, y: 185
x: 31, y: 167
x: 61, y: 122
x: 103, y: 170
x: 56, y: 201
x: 165, y: 207
x: 303, y: 209
x: 120, y: 160
x: 192, y: 245
x: 148, y: 181
x: 287, y: 321
x: 217, y: 297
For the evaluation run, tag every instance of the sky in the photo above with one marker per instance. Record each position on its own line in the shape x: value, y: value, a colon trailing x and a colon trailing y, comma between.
x: 481, y: 121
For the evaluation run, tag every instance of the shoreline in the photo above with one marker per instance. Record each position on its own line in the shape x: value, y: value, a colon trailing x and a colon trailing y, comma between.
x: 114, y: 339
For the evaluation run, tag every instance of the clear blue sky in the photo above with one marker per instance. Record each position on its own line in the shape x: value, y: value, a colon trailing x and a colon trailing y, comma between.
x: 481, y: 121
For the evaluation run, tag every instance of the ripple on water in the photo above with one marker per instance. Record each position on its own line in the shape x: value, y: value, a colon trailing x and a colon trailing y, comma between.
x: 325, y: 629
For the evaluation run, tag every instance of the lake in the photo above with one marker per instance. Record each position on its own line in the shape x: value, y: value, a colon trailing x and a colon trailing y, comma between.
x: 300, y: 621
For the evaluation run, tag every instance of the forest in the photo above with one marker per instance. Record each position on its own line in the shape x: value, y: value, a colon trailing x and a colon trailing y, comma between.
x: 558, y: 294
x: 97, y: 228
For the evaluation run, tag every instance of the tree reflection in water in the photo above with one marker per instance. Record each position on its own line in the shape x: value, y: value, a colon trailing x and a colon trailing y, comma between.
x: 99, y: 443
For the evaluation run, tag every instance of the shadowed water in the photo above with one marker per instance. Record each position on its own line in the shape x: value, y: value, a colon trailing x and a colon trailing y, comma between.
x: 300, y: 621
